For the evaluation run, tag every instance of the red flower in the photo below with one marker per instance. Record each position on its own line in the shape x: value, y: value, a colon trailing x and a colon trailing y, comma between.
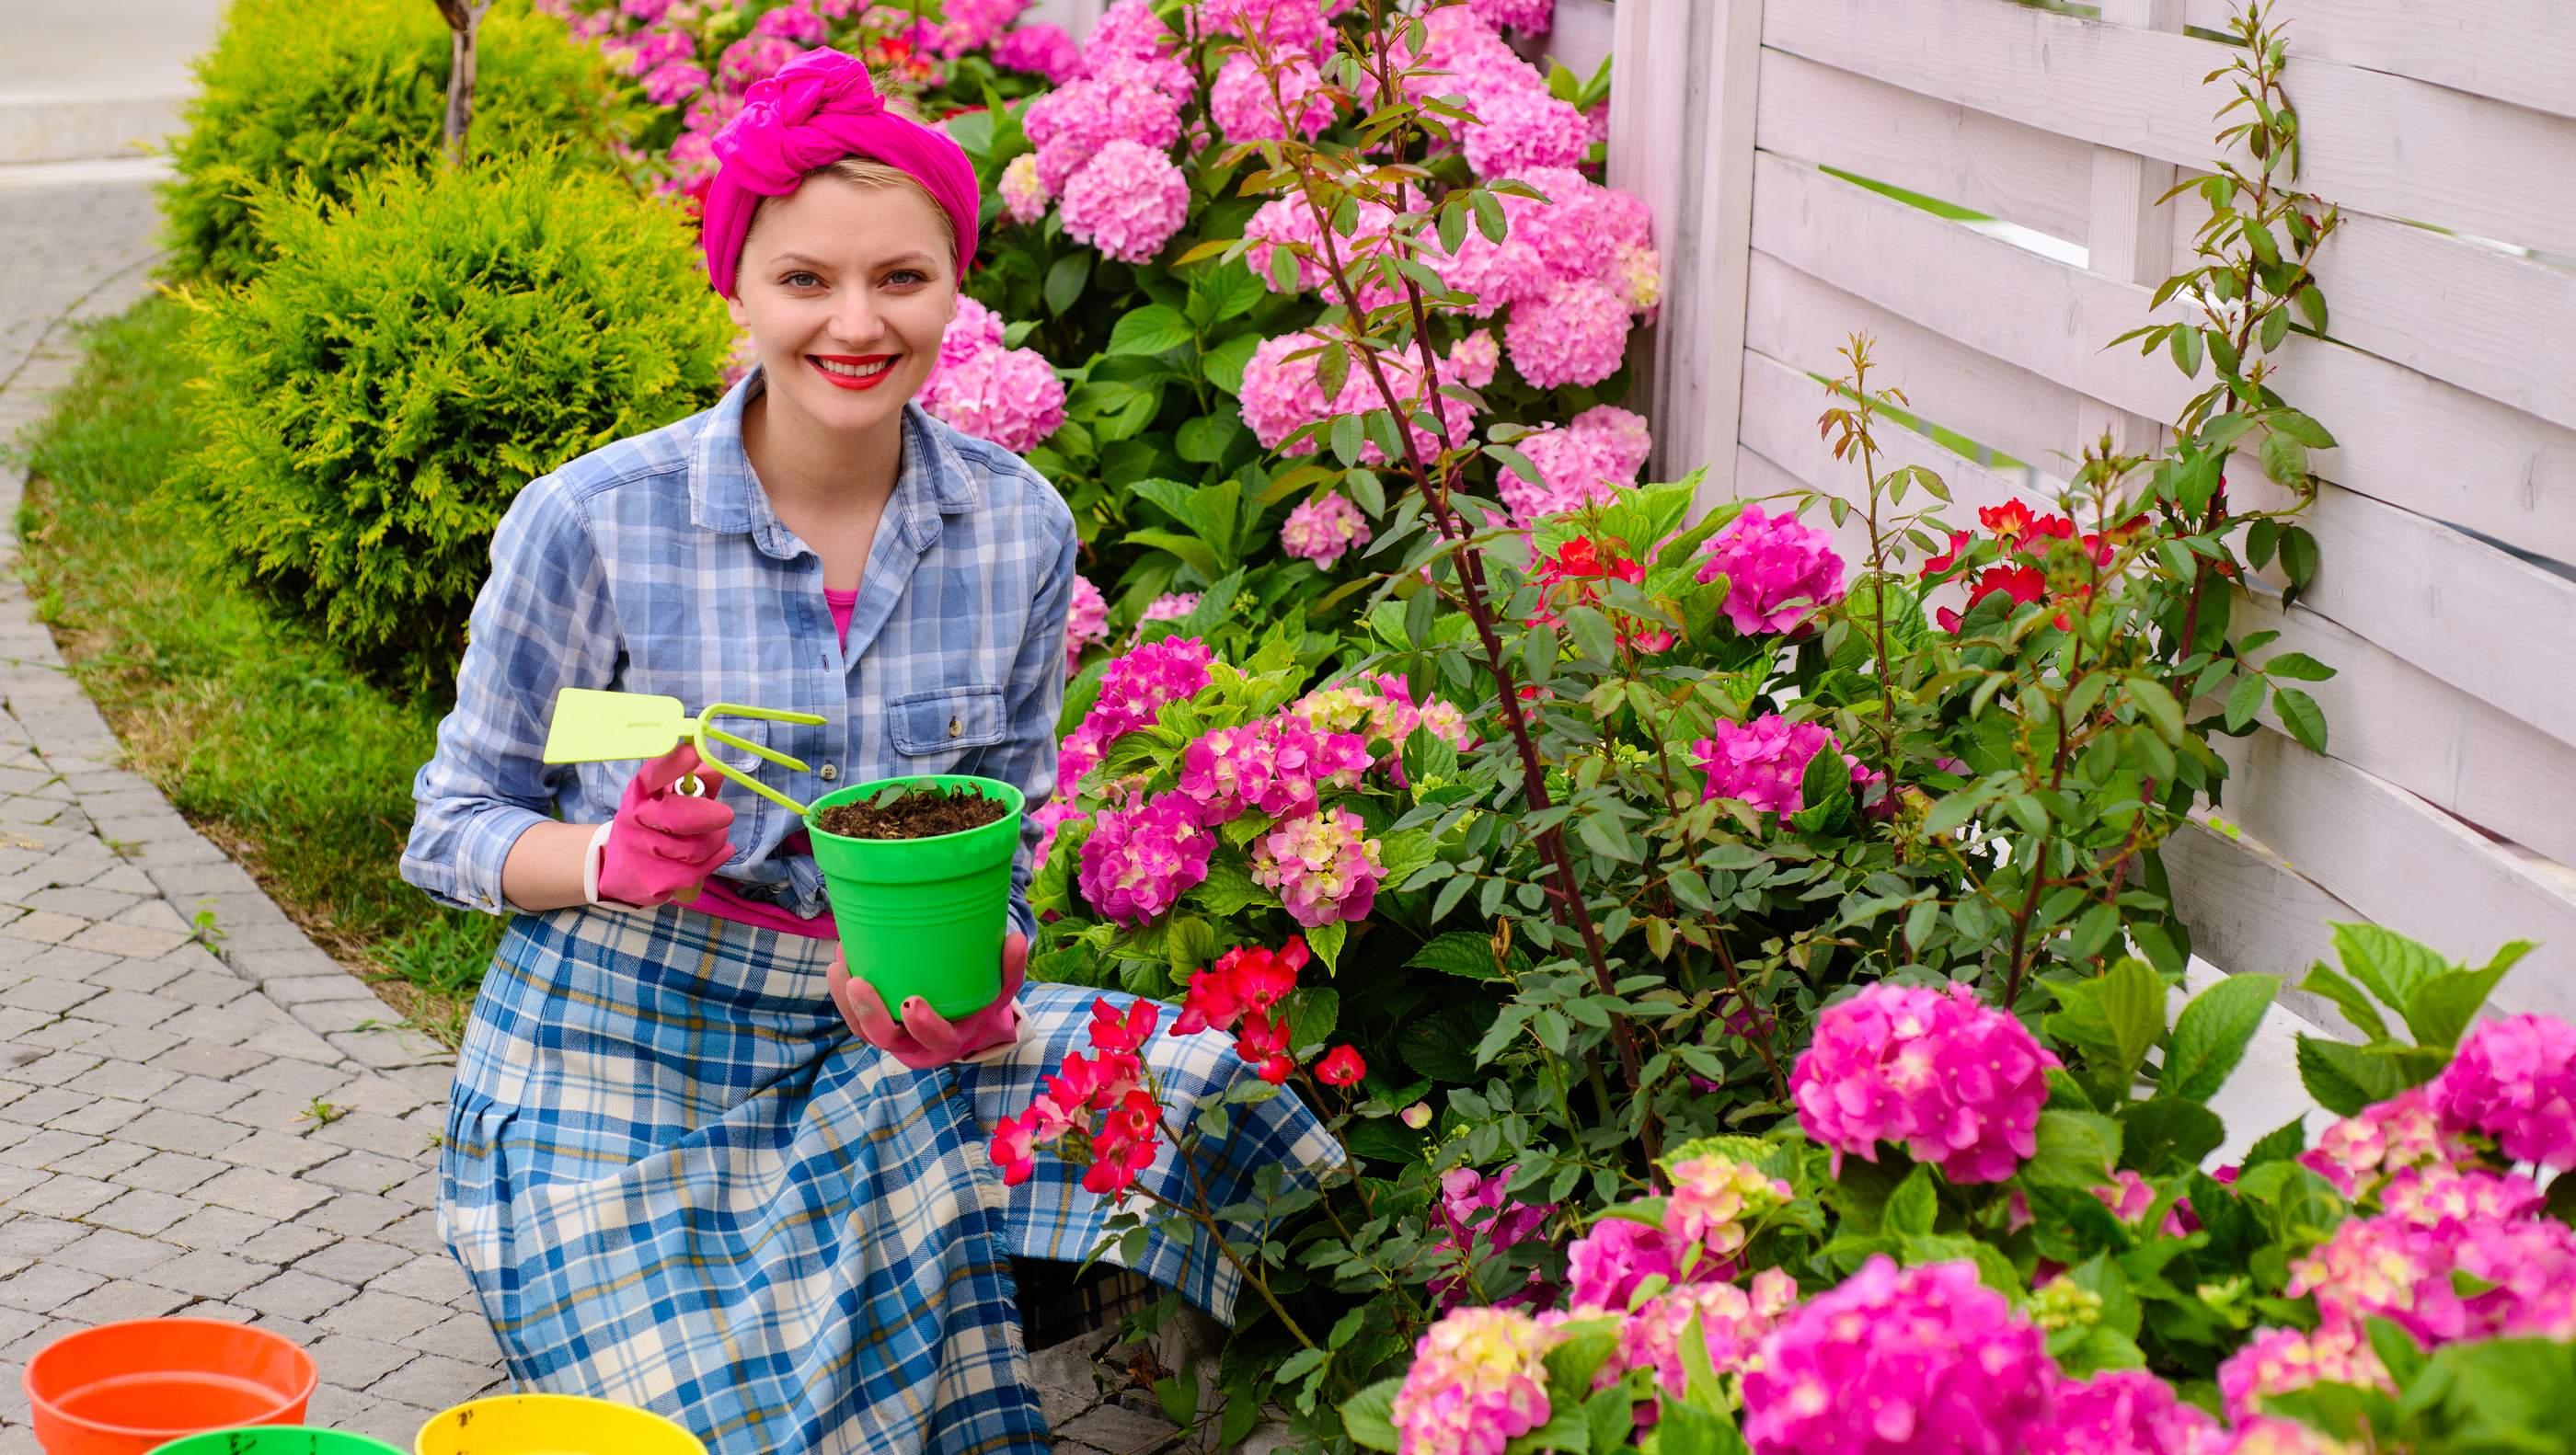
x: 1264, y: 1043
x: 1125, y: 1144
x: 1250, y: 978
x: 1958, y: 542
x: 1014, y: 1148
x: 1342, y: 1066
x: 1133, y: 1119
x: 2024, y: 584
x: 1948, y: 619
x: 1116, y: 1171
x: 2053, y: 525
x: 1112, y: 1030
x: 2009, y: 521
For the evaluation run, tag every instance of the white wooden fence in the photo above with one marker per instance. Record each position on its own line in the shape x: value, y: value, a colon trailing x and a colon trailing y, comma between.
x: 2446, y: 807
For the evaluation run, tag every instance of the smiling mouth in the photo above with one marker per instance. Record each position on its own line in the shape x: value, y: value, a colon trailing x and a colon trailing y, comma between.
x: 846, y: 372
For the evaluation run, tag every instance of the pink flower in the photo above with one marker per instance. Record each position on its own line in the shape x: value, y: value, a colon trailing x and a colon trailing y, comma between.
x: 1280, y: 394
x: 1518, y: 129
x: 2430, y: 1197
x: 1041, y: 50
x: 1170, y: 606
x: 1960, y: 1085
x: 1586, y: 461
x: 971, y: 25
x: 1914, y: 1361
x: 1714, y: 1196
x: 755, y: 58
x: 1073, y: 125
x: 1009, y: 396
x: 2515, y: 1080
x: 795, y: 23
x: 1246, y: 980
x: 1127, y: 202
x: 1014, y: 1146
x: 1613, y: 1259
x: 1023, y: 195
x: 1324, y: 867
x: 1136, y: 686
x: 1494, y: 274
x: 1534, y: 16
x: 1086, y: 622
x: 657, y: 48
x: 1764, y: 763
x: 1731, y: 1327
x: 2404, y: 1271
x: 673, y: 82
x: 2272, y: 1436
x: 1777, y: 571
x: 1244, y: 109
x: 1138, y: 862
x: 1474, y: 358
x: 2403, y: 1131
x: 1322, y: 530
x: 1278, y: 765
x: 1122, y: 1031
x: 1341, y: 1066
x: 1476, y: 1383
x: 2283, y: 1361
x: 2130, y: 1198
x: 1476, y: 1220
x: 1575, y: 333
x: 2122, y: 1412
x: 1281, y: 24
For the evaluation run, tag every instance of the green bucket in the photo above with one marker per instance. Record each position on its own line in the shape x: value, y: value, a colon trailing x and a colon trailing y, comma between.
x: 277, y: 1440
x: 923, y: 917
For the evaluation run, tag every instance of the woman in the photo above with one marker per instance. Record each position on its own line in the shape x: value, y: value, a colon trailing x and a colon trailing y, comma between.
x: 690, y: 1163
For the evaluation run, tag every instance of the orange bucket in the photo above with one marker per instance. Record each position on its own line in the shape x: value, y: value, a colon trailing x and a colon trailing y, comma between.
x: 130, y: 1388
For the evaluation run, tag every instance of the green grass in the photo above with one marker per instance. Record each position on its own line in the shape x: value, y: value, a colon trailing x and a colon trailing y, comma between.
x: 274, y: 749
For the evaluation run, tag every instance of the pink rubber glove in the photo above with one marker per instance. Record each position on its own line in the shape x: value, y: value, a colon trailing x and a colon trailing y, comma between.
x: 926, y: 1038
x: 663, y: 843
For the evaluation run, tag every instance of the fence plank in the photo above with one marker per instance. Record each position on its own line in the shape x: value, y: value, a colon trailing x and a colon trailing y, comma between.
x: 2408, y: 439
x: 2128, y: 237
x: 1981, y: 162
x: 2402, y: 725
x: 1656, y: 138
x: 1706, y: 399
x: 2375, y: 142
x: 1781, y: 403
x: 1801, y: 320
x: 2523, y: 51
x: 1585, y: 34
x: 2406, y: 864
x: 2249, y: 912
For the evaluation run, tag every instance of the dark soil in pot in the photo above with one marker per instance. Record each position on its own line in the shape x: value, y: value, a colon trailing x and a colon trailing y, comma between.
x: 913, y: 813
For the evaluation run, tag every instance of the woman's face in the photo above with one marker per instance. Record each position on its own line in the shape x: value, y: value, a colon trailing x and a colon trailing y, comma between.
x: 845, y: 291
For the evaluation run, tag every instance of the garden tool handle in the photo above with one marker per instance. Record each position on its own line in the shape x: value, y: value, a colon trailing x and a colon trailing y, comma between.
x: 689, y: 786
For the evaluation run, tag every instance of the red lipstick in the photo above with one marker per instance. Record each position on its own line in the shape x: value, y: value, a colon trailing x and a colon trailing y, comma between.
x: 874, y: 369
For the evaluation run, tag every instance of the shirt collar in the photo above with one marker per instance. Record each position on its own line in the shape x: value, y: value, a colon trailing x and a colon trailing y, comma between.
x: 725, y: 495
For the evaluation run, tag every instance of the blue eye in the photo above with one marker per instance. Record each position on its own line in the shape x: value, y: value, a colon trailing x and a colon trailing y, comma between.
x: 907, y: 276
x: 801, y: 279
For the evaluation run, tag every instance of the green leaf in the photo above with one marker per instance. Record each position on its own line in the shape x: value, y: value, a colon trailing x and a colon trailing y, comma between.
x: 1225, y: 363
x: 2344, y: 1079
x: 1204, y: 440
x: 1065, y: 280
x: 1913, y: 1206
x: 1592, y: 635
x: 1152, y: 329
x: 2169, y: 1136
x: 1230, y: 289
x: 1566, y: 1432
x: 1179, y: 1394
x: 1690, y: 1427
x: 2298, y: 667
x: 2301, y: 715
x: 2115, y: 1018
x: 2210, y: 1035
x: 2301, y: 428
x: 2245, y: 701
x: 2185, y: 345
x: 2386, y: 961
x: 1314, y: 1014
x: 2285, y: 460
x: 2159, y: 707
x: 2280, y: 1144
x: 1368, y: 1417
x: 1459, y: 952
x: 2440, y: 1009
x: 2349, y: 998
x: 1326, y: 941
x: 2076, y: 1149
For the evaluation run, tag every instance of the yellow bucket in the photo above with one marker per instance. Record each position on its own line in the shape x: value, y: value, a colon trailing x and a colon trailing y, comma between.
x: 552, y: 1424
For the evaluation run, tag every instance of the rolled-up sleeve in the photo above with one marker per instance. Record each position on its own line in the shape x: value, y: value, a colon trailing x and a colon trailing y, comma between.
x: 1026, y: 757
x: 542, y: 622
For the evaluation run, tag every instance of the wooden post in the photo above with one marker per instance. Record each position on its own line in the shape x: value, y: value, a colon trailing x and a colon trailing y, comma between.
x: 463, y: 19
x: 2129, y: 237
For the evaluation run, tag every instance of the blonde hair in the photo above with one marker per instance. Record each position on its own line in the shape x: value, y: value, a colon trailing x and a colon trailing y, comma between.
x: 870, y: 173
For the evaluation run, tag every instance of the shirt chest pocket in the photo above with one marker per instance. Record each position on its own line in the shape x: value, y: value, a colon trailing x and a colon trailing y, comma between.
x: 947, y: 721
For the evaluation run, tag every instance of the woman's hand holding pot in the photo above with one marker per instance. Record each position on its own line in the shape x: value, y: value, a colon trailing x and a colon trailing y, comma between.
x: 926, y: 1038
x: 663, y: 843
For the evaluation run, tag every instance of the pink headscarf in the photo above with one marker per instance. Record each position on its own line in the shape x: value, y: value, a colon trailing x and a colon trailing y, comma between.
x: 819, y: 108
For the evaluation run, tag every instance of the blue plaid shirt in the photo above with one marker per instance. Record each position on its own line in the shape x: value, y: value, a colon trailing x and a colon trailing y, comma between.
x: 657, y: 565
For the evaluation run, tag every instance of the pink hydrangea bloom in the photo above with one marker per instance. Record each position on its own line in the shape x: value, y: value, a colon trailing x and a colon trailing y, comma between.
x: 796, y: 23
x: 2515, y: 1080
x: 1520, y: 128
x: 1009, y: 396
x: 973, y: 329
x: 1170, y: 606
x: 1575, y: 333
x: 673, y: 82
x: 1139, y: 861
x: 1324, y: 529
x: 1281, y: 24
x: 1291, y: 221
x: 1128, y: 30
x: 1072, y: 125
x: 1134, y: 689
x: 1585, y: 461
x: 1052, y: 815
x: 755, y: 58
x: 653, y: 49
x: 1959, y: 1084
x: 2282, y: 1361
x: 1713, y: 1199
x: 2429, y: 1197
x: 1764, y: 763
x: 1533, y: 16
x: 1477, y: 1382
x: 2122, y: 1412
x: 2403, y: 1131
x: 1127, y: 202
x: 1278, y: 766
x: 1494, y: 274
x: 1086, y: 622
x: 2130, y: 1198
x: 969, y: 25
x: 2273, y: 1436
x: 1777, y: 570
x: 1731, y: 1325
x: 1580, y: 224
x: 1613, y: 1259
x: 1040, y: 50
x: 1023, y: 195
x: 1913, y: 1361
x: 1241, y: 103
x: 1280, y: 395
x: 2402, y: 1271
x: 647, y: 11
x: 1478, y: 1220
x: 1324, y: 867
x: 1474, y: 358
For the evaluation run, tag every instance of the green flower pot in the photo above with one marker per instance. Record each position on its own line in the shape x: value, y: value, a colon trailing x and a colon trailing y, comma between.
x: 923, y: 917
x: 277, y: 1440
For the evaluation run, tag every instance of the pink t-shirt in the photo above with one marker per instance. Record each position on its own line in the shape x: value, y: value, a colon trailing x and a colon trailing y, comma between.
x: 721, y: 901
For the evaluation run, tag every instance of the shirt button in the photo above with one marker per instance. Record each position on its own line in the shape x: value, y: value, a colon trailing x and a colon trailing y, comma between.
x: 829, y: 773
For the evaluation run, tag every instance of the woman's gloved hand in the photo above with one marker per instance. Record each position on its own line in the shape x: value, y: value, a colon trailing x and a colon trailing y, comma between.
x: 926, y: 1038
x: 663, y: 843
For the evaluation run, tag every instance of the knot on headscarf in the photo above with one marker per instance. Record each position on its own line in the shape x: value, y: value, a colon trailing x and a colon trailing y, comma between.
x: 819, y: 108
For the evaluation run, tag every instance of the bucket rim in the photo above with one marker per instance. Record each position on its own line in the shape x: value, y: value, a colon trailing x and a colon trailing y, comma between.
x: 310, y: 1374
x: 1011, y: 795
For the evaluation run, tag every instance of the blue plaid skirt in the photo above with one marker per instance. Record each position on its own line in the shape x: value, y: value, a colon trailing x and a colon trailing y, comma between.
x: 678, y: 1182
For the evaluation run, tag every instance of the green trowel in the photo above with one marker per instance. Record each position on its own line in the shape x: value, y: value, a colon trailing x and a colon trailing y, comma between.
x: 608, y: 727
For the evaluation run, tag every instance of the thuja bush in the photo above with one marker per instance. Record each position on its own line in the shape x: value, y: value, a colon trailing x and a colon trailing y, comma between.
x: 414, y: 355
x: 330, y: 93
